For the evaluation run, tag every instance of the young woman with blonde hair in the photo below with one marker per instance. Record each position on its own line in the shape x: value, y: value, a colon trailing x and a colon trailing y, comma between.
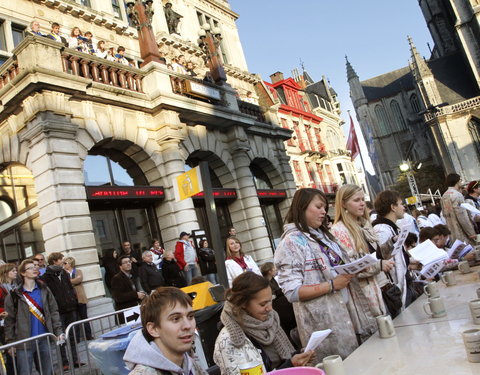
x: 353, y: 230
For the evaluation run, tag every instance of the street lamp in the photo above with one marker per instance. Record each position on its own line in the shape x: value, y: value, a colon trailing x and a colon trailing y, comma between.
x: 406, y: 168
x: 209, y: 41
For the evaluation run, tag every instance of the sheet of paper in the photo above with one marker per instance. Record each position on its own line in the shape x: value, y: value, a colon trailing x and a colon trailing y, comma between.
x: 357, y: 265
x: 465, y: 251
x: 430, y: 270
x: 402, y: 236
x: 316, y: 339
x: 470, y: 208
x: 456, y: 249
x: 427, y: 253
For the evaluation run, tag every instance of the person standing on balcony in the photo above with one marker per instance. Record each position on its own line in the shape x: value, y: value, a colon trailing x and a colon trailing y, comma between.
x: 88, y: 44
x: 34, y: 29
x: 76, y: 39
x: 120, y: 56
x: 55, y: 34
x: 178, y: 65
x: 102, y: 50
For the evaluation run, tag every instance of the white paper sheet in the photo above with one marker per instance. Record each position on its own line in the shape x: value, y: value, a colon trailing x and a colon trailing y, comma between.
x: 427, y: 253
x: 430, y: 270
x: 402, y: 236
x: 457, y: 248
x: 470, y: 208
x: 357, y: 265
x: 316, y: 339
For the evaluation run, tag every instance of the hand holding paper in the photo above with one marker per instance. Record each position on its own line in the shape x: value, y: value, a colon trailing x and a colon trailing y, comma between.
x: 316, y: 339
x: 357, y: 265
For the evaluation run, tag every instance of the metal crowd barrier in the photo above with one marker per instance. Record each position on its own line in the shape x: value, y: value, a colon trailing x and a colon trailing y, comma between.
x: 48, y: 356
x: 76, y: 340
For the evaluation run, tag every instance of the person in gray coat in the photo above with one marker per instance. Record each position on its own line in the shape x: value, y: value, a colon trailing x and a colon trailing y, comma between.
x: 32, y: 311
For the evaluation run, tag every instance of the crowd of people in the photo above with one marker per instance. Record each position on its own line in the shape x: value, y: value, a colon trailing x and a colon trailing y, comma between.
x: 270, y: 310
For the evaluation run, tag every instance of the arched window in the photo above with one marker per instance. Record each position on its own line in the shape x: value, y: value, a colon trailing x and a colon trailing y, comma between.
x: 397, y: 115
x: 101, y: 170
x: 414, y: 103
x: 383, y: 128
x: 474, y: 130
x: 332, y: 139
x: 260, y: 177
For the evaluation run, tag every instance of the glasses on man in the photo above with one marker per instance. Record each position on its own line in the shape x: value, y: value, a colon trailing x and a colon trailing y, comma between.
x: 39, y: 259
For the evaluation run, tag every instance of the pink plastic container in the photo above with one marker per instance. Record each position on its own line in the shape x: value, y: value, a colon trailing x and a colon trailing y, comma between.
x: 298, y: 371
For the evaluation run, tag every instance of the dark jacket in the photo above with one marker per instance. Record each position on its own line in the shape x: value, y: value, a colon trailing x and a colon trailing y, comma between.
x: 150, y: 277
x: 172, y: 274
x: 17, y: 323
x: 58, y: 281
x: 207, y: 260
x: 123, y: 293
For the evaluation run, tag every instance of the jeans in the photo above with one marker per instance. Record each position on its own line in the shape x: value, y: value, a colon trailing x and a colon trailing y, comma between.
x: 82, y: 314
x: 25, y: 358
x: 191, y: 273
x: 212, y: 277
x: 67, y: 318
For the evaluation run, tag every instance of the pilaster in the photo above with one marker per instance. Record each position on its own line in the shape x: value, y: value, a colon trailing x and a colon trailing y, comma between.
x: 59, y: 184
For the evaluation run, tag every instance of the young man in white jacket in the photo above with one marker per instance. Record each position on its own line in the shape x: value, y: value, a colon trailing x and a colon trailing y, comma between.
x: 390, y: 208
x: 162, y: 346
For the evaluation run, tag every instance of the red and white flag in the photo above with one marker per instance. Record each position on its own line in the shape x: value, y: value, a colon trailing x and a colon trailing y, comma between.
x: 352, y: 142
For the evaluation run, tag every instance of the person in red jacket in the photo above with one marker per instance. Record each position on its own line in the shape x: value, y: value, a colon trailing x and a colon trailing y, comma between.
x: 186, y: 257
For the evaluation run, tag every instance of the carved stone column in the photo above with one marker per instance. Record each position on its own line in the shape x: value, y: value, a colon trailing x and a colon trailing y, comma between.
x: 246, y: 213
x: 174, y: 217
x: 59, y: 183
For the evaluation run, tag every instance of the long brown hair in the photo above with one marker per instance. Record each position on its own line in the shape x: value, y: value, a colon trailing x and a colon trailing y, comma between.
x: 4, y: 270
x: 353, y: 224
x: 229, y: 254
x: 300, y: 202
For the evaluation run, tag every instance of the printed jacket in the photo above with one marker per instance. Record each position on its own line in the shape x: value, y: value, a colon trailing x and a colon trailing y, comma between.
x: 456, y: 216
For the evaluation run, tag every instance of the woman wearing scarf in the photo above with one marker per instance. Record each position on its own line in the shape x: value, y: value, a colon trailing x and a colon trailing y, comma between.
x: 237, y: 262
x: 355, y: 233
x: 157, y: 252
x: 305, y: 258
x: 8, y: 278
x: 252, y: 334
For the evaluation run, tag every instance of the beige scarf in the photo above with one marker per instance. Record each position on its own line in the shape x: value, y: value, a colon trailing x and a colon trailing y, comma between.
x: 267, y: 333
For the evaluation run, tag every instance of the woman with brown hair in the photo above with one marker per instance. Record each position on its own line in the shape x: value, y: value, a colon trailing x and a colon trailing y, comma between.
x: 237, y: 262
x: 305, y: 258
x: 252, y: 334
x: 8, y: 277
x: 353, y: 230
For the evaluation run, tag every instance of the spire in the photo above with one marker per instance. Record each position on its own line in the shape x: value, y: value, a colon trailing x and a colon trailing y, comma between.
x: 418, y: 65
x: 350, y: 72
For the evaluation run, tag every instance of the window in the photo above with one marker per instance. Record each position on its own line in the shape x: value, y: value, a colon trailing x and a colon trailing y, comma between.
x: 260, y: 178
x: 414, y: 103
x: 6, y: 210
x: 85, y: 3
x: 383, y: 128
x: 298, y: 172
x: 117, y: 13
x: 132, y: 225
x: 100, y: 170
x: 17, y: 33
x: 397, y: 115
x: 3, y: 42
x: 100, y: 229
x: 474, y: 130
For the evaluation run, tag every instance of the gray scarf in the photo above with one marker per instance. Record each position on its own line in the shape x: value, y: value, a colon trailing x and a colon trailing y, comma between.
x: 267, y: 333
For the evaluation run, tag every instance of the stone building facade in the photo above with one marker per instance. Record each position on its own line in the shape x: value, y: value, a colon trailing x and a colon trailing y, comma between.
x: 427, y: 111
x: 90, y: 147
x: 318, y: 156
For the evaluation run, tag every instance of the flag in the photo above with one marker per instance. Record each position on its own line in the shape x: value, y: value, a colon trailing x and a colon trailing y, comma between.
x: 352, y: 142
x: 371, y: 145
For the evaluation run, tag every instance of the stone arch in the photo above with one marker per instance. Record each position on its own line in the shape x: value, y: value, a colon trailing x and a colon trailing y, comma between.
x: 274, y: 176
x: 217, y: 165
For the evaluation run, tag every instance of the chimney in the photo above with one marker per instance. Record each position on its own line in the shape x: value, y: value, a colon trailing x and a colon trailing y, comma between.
x: 276, y: 77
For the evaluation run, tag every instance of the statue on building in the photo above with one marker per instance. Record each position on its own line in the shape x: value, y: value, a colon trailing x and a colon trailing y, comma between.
x: 172, y: 17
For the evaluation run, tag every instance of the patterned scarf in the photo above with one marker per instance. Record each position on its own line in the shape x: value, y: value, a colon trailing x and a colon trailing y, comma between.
x: 267, y: 333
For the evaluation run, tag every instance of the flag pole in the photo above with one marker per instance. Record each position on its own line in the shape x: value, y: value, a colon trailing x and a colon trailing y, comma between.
x: 361, y: 160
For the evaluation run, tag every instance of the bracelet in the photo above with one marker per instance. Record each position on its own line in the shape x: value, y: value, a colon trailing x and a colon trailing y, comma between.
x: 332, y: 287
x: 329, y: 286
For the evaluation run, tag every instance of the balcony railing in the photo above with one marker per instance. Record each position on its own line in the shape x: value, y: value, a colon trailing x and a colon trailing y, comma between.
x: 8, y: 72
x: 101, y: 70
x: 251, y: 110
x: 467, y: 104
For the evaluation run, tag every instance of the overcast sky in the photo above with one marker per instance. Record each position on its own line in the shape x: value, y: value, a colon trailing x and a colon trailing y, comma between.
x: 278, y: 34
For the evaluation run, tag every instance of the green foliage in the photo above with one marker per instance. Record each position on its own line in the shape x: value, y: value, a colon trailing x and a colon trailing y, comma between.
x: 428, y: 177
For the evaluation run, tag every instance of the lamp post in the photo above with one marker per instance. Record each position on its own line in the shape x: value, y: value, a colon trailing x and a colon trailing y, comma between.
x: 209, y: 41
x: 406, y: 168
x: 141, y: 13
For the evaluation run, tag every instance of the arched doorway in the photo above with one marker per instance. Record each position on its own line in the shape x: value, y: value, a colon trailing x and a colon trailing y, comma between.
x: 122, y: 204
x: 20, y: 227
x: 224, y: 196
x: 269, y: 199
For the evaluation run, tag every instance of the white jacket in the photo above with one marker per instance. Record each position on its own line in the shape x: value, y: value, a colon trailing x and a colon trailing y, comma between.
x: 384, y: 233
x: 233, y: 269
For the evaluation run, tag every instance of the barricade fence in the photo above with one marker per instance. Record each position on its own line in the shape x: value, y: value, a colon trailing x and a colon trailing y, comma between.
x: 39, y: 353
x: 42, y: 354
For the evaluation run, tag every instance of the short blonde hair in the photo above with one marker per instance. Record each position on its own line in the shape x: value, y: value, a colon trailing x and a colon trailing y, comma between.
x: 168, y: 251
x: 70, y: 260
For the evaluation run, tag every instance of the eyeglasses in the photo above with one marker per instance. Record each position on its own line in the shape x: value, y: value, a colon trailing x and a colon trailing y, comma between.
x: 31, y: 268
x: 39, y: 260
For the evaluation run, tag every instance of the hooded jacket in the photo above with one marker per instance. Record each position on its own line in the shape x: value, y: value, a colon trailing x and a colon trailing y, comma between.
x: 145, y: 358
